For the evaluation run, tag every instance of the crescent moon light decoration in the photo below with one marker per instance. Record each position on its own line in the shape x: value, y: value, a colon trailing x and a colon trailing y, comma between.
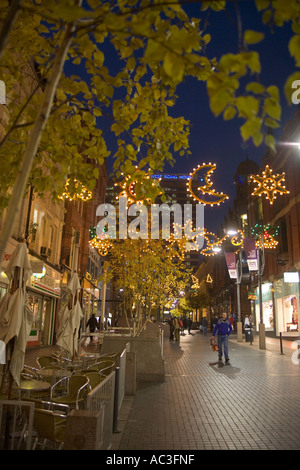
x: 207, y: 195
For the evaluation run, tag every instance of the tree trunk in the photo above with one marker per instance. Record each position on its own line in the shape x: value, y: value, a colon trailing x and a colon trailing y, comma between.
x: 8, y: 23
x: 34, y: 139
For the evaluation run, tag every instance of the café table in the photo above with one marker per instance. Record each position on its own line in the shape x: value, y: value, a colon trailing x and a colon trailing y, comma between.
x: 29, y: 386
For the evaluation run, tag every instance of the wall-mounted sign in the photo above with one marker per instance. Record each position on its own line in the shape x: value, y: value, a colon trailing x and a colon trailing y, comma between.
x: 231, y: 264
x: 291, y: 277
x: 251, y: 253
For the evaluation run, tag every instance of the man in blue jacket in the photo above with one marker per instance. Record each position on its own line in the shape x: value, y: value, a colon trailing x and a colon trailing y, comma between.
x: 223, y: 329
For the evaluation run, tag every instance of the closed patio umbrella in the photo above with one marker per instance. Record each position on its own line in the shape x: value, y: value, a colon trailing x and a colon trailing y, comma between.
x: 69, y: 319
x: 15, y: 314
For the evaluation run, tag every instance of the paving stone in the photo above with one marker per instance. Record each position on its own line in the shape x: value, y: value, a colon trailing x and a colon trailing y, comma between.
x: 248, y: 405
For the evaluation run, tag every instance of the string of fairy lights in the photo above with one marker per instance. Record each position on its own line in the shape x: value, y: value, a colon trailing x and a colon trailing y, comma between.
x: 268, y: 184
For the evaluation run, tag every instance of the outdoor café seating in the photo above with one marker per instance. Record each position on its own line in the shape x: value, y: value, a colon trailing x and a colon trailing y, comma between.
x: 76, y: 386
x: 44, y: 361
x: 95, y: 378
x: 102, y: 364
x: 49, y: 426
x: 49, y: 422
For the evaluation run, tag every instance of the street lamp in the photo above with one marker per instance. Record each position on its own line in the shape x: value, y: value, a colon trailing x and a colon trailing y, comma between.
x: 238, y: 276
x: 260, y: 271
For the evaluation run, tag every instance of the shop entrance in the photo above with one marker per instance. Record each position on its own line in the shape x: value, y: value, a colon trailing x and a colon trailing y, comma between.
x: 40, y: 305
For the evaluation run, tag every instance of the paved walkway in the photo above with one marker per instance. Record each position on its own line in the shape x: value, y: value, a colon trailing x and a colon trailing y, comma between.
x: 251, y: 404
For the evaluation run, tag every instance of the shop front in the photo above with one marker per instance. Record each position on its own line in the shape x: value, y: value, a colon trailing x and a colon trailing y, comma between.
x: 43, y: 295
x: 287, y: 306
x: 280, y: 302
x: 90, y: 299
x: 43, y: 291
x: 267, y: 307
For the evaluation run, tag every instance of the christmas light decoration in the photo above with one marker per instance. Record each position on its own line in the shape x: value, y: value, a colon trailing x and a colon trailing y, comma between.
x: 195, y: 284
x: 207, y: 195
x: 268, y: 232
x: 102, y: 243
x: 186, y: 241
x: 269, y: 184
x: 214, y: 244
x: 128, y: 189
x: 75, y: 191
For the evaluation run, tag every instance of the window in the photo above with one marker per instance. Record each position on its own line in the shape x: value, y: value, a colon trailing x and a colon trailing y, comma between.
x: 258, y: 209
x: 244, y: 223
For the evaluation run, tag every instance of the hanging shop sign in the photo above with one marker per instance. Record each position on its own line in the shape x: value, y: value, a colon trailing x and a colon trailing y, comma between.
x: 251, y: 253
x: 231, y: 264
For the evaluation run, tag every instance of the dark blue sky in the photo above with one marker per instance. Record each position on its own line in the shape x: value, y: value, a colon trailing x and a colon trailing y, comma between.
x: 213, y: 139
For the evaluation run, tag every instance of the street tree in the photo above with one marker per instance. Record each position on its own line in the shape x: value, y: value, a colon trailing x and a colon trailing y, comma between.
x: 148, y: 275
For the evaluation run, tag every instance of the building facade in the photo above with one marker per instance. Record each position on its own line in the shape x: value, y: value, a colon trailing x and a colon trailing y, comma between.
x: 280, y: 282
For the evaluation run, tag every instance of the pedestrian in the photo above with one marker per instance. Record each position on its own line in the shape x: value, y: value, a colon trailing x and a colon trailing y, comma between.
x: 204, y: 325
x: 246, y: 322
x: 213, y: 323
x: 176, y: 328
x: 189, y: 325
x: 172, y: 329
x: 180, y: 322
x: 223, y: 329
x: 92, y: 324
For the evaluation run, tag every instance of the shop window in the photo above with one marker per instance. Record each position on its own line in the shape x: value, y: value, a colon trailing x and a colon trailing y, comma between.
x: 287, y: 308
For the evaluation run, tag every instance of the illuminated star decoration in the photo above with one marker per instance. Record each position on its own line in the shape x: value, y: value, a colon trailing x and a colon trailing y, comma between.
x: 186, y: 241
x: 269, y: 184
x: 207, y: 195
x: 74, y: 190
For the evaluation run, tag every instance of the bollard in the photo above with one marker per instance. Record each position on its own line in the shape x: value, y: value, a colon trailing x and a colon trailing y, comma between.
x: 281, y: 351
x: 116, y: 401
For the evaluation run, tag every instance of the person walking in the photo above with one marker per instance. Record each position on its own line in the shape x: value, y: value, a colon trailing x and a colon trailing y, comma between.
x: 176, y: 329
x: 92, y: 324
x: 223, y: 329
x: 172, y: 329
x: 189, y: 325
x: 204, y: 325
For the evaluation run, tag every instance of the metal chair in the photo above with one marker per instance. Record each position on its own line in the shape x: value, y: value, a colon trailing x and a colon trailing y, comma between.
x: 95, y: 378
x: 105, y: 371
x: 102, y: 365
x: 77, y: 384
x: 112, y: 355
x: 44, y: 361
x: 49, y: 426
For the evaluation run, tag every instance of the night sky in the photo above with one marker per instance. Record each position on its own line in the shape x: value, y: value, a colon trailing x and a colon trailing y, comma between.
x: 213, y: 139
